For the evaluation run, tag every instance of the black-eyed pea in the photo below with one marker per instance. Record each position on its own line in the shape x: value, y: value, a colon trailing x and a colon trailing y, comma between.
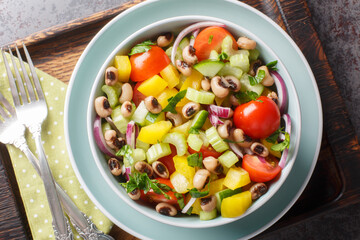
x: 102, y: 107
x: 246, y: 43
x: 257, y: 190
x: 114, y: 166
x: 166, y: 209
x: 200, y: 178
x: 111, y: 76
x: 126, y: 93
x: 208, y: 204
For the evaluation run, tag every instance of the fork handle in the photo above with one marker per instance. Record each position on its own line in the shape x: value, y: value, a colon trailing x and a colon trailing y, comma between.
x: 83, y: 225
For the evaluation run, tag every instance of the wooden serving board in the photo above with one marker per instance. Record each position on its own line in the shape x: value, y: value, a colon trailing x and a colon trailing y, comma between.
x: 335, y: 182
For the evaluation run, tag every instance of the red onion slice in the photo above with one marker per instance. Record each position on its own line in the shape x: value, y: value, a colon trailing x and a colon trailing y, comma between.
x: 131, y: 134
x: 236, y: 149
x: 262, y: 159
x: 284, y: 154
x: 188, y: 30
x: 215, y: 120
x: 222, y: 112
x: 126, y: 171
x: 188, y: 205
x: 281, y: 89
x: 99, y: 138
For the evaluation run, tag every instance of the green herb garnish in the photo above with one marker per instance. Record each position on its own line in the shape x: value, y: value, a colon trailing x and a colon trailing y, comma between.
x: 142, y: 181
x: 197, y: 194
x: 223, y: 56
x: 195, y: 160
x: 141, y: 47
x: 151, y: 117
x: 283, y: 145
x: 180, y: 199
x: 247, y: 96
x: 231, y: 141
x: 126, y: 152
x: 210, y: 39
x: 258, y: 78
x: 274, y: 137
x: 272, y: 65
x: 173, y: 101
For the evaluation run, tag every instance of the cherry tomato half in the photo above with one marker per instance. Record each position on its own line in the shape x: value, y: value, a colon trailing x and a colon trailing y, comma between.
x: 206, y: 151
x: 261, y: 171
x: 137, y: 96
x: 152, y: 197
x: 210, y: 39
x: 258, y: 118
x: 147, y: 64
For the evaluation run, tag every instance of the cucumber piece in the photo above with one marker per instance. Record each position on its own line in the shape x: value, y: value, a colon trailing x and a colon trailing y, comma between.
x: 209, y: 67
x: 105, y: 126
x: 140, y: 114
x: 153, y: 118
x: 246, y: 86
x: 254, y: 54
x: 119, y: 120
x: 201, y: 96
x: 178, y: 54
x: 214, y: 55
x: 194, y: 141
x: 178, y: 140
x: 227, y: 46
x: 157, y: 151
x: 204, y: 216
x: 142, y: 145
x: 224, y: 194
x: 229, y: 70
x: 228, y: 159
x: 240, y: 60
x: 215, y: 140
x: 199, y: 119
x: 112, y: 93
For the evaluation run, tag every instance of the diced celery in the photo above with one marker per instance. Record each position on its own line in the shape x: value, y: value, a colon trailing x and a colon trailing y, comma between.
x: 214, y: 55
x: 119, y: 120
x: 138, y: 154
x: 203, y: 137
x: 227, y: 46
x: 229, y: 70
x: 228, y: 159
x: 112, y: 93
x: 194, y: 142
x: 183, y: 128
x: 178, y: 140
x: 153, y: 118
x: 254, y: 54
x: 240, y: 60
x: 157, y: 151
x: 201, y: 97
x: 181, y: 82
x: 142, y: 145
x: 105, y: 126
x: 215, y: 140
x: 140, y: 114
x: 204, y: 216
x: 199, y: 119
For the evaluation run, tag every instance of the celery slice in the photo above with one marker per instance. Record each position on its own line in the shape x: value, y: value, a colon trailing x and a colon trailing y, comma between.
x: 229, y: 70
x: 142, y: 145
x: 157, y: 151
x: 140, y: 114
x: 241, y: 61
x: 215, y: 140
x: 178, y: 140
x: 195, y: 142
x: 228, y: 159
x: 112, y: 93
x: 119, y: 120
x: 201, y: 97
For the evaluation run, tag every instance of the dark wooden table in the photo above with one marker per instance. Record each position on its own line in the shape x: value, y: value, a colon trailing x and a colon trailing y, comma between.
x: 335, y: 182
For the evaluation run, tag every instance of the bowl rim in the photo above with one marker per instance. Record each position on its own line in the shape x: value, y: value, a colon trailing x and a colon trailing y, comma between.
x: 90, y: 117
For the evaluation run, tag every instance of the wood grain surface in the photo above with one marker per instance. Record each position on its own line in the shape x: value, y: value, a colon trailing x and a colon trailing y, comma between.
x: 334, y: 183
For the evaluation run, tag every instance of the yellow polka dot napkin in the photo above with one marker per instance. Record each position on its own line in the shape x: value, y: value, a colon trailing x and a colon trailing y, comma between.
x: 30, y: 184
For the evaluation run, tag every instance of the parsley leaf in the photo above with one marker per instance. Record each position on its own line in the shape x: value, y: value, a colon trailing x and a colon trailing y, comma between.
x: 223, y: 56
x: 247, y: 96
x: 283, y: 145
x: 126, y: 152
x: 197, y: 194
x: 173, y: 101
x: 258, y: 78
x: 141, y: 47
x: 180, y: 199
x: 272, y: 65
x: 195, y: 160
x: 274, y: 137
x: 231, y: 141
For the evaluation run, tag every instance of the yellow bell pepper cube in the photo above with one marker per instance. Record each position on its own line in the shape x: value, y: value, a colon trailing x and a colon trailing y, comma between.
x: 181, y: 183
x: 153, y: 86
x: 122, y: 63
x: 268, y: 145
x: 216, y: 186
x: 236, y: 205
x: 193, y: 81
x: 155, y: 132
x: 165, y: 95
x: 181, y: 166
x: 171, y: 75
x: 196, y: 207
x: 236, y: 177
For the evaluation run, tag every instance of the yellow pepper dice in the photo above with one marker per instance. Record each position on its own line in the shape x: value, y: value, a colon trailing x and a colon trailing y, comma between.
x: 123, y: 65
x: 153, y: 86
x: 236, y: 205
x: 193, y: 81
x: 181, y: 166
x: 154, y: 132
x: 165, y: 95
x: 171, y: 75
x: 216, y: 186
x: 268, y: 145
x: 236, y: 177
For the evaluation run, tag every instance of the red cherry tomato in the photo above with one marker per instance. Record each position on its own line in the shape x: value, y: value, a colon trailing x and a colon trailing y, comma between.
x: 258, y: 118
x: 206, y: 151
x: 137, y: 96
x: 210, y: 39
x: 261, y: 171
x: 168, y: 160
x: 147, y: 64
x: 153, y: 198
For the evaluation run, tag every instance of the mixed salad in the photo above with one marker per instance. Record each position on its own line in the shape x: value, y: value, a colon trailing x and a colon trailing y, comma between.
x: 194, y: 123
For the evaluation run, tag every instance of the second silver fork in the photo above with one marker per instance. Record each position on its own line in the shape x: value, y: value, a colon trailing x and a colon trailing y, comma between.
x: 31, y: 110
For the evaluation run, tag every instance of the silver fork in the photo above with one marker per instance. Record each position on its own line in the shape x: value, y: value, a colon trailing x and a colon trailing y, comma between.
x: 26, y: 109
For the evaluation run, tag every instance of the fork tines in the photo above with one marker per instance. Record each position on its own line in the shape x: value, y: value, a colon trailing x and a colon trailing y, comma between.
x: 24, y: 85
